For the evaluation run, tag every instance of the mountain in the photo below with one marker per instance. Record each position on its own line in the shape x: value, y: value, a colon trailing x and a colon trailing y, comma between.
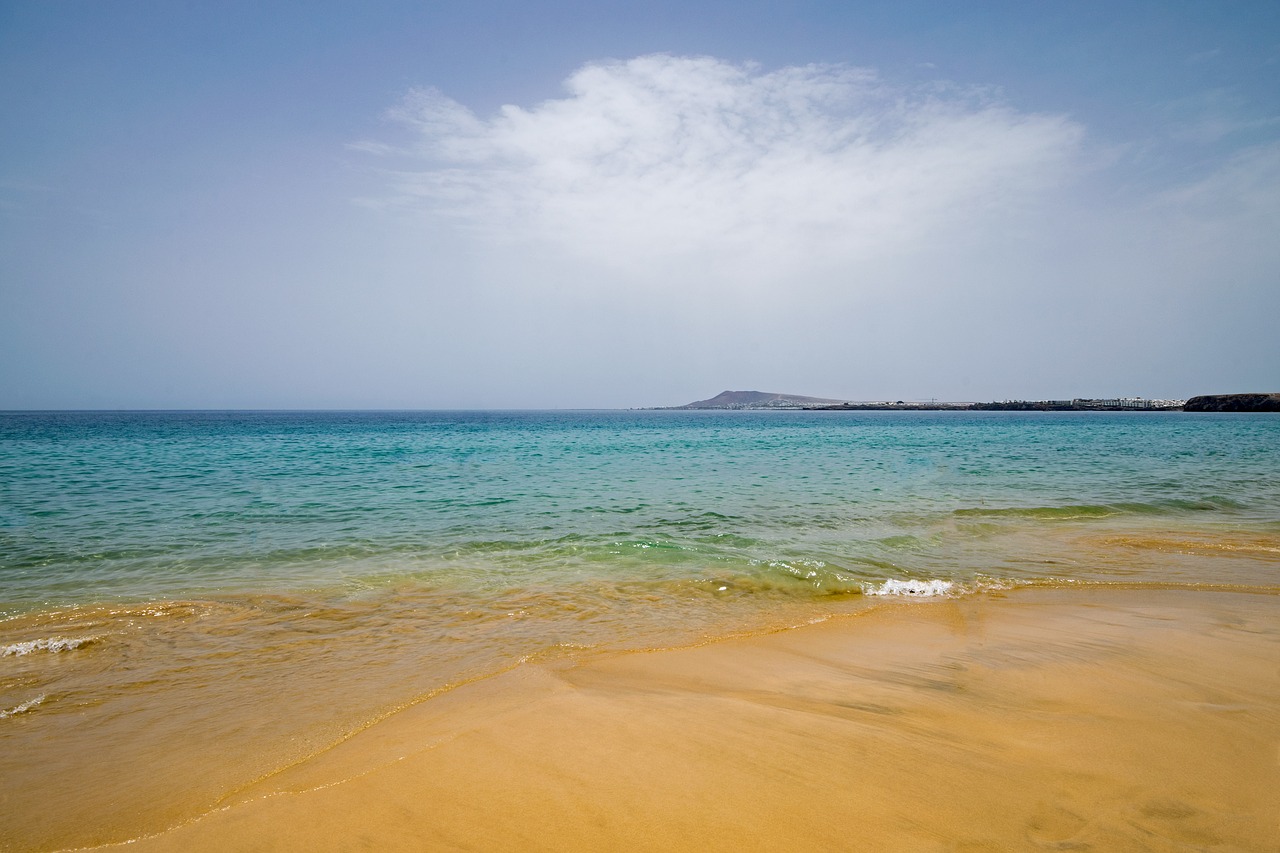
x: 757, y: 400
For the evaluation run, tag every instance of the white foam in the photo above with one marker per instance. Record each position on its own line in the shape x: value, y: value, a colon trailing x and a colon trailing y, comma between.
x: 921, y: 589
x: 23, y: 708
x: 48, y: 644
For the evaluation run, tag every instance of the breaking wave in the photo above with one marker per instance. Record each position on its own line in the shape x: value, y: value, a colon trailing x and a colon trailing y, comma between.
x: 917, y: 588
x: 48, y: 644
x: 23, y: 708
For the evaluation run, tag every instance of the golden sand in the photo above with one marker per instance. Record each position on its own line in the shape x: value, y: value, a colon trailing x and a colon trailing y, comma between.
x: 1058, y: 720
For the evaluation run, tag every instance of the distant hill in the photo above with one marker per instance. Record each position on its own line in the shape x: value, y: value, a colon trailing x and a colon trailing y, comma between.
x: 1234, y: 403
x: 757, y: 400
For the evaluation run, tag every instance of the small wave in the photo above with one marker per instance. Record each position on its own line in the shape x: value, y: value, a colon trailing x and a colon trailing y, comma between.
x: 1047, y: 512
x: 1206, y: 546
x: 1172, y: 506
x: 920, y: 589
x: 48, y: 644
x: 23, y: 708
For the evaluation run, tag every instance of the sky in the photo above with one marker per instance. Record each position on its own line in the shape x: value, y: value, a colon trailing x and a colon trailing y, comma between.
x: 395, y: 205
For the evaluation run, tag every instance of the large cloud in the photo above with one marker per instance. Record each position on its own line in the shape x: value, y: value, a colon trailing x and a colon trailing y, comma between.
x: 742, y: 171
x: 673, y: 226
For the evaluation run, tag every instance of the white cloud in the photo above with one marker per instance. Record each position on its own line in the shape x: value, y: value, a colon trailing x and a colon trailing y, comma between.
x: 672, y: 226
x: 664, y: 160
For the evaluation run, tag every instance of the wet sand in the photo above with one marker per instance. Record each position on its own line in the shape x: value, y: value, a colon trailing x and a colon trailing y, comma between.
x: 1059, y: 719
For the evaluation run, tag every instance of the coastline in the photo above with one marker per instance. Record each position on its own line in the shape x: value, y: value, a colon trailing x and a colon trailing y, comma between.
x: 205, y: 613
x: 766, y: 401
x: 1041, y: 719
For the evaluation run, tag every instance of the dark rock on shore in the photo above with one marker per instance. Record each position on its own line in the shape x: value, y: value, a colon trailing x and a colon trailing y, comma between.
x: 1234, y: 403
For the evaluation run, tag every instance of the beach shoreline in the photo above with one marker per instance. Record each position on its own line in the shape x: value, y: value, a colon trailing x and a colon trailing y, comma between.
x: 430, y: 622
x: 1040, y: 719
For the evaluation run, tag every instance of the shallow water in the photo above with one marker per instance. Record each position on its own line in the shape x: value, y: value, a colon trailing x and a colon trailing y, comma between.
x: 179, y: 585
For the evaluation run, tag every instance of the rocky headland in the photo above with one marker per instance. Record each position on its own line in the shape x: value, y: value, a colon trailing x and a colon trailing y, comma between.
x: 1233, y: 403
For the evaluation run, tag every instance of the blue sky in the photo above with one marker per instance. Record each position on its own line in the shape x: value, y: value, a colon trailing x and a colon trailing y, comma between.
x: 422, y: 205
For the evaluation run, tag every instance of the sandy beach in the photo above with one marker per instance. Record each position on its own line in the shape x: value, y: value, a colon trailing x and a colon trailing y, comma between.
x: 1093, y: 719
x: 700, y: 426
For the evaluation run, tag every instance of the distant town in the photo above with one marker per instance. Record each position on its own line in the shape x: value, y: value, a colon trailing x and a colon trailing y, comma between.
x: 1264, y: 402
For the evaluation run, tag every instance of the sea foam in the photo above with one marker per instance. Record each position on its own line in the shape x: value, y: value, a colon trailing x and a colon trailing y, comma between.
x: 47, y: 644
x: 922, y: 589
x: 23, y: 708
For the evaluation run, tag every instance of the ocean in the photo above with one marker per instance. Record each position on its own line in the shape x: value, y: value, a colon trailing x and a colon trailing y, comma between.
x: 239, y: 591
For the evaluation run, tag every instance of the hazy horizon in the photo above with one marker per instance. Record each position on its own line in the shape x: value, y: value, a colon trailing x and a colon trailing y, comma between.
x: 654, y: 407
x: 544, y: 206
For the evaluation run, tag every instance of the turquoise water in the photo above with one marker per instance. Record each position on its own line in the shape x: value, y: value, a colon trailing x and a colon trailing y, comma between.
x: 124, y: 507
x: 177, y: 588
